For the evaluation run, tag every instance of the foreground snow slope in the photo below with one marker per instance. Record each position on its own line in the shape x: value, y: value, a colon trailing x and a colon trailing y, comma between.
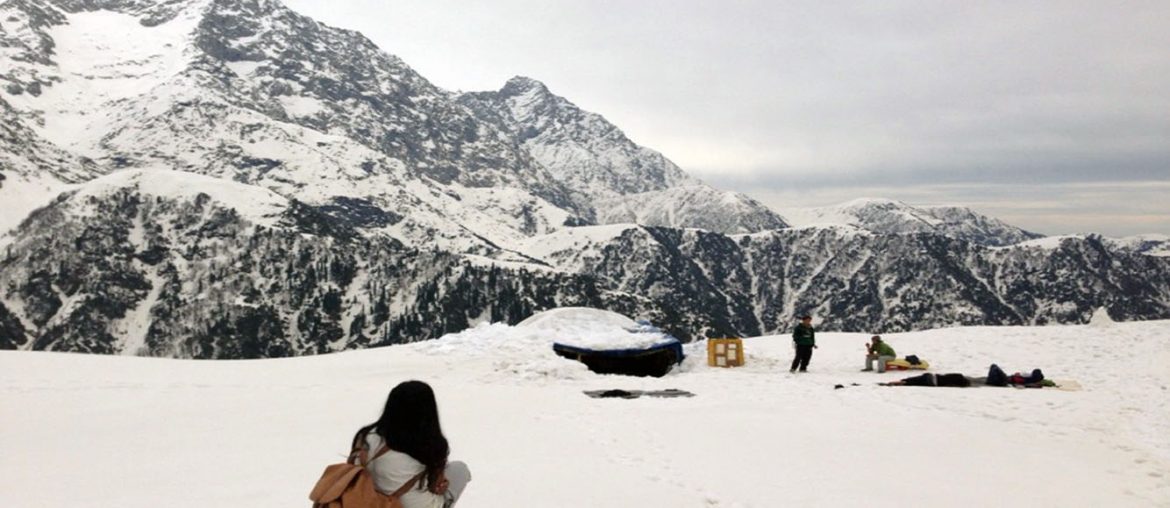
x: 114, y: 431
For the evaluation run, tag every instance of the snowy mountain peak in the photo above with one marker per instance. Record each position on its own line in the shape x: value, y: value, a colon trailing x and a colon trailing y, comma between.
x: 583, y: 149
x: 520, y: 85
x: 254, y: 93
x: 891, y: 216
x: 606, y: 171
x: 872, y: 202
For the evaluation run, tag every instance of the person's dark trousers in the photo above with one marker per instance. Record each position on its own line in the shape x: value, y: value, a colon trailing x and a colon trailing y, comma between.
x: 921, y: 380
x: 803, y: 355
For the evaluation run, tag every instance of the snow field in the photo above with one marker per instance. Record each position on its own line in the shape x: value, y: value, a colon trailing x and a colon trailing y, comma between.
x: 106, y: 431
x: 103, y: 58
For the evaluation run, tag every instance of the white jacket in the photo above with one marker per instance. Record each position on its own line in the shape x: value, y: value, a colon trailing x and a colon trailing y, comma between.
x: 393, y: 469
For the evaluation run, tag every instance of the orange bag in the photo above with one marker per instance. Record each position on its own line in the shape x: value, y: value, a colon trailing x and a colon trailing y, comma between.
x: 349, y: 485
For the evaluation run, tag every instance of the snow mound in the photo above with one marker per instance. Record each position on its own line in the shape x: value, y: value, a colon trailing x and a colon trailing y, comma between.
x: 1101, y: 318
x: 595, y: 329
x: 577, y: 317
x: 525, y: 351
x: 515, y: 353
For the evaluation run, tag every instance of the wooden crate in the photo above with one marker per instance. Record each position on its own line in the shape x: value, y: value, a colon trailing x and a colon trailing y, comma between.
x: 725, y: 352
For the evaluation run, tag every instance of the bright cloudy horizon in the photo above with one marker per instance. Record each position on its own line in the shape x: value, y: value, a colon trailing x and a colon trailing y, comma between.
x: 1052, y: 116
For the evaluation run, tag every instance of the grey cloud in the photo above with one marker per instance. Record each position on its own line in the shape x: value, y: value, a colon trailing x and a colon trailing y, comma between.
x: 1033, y: 167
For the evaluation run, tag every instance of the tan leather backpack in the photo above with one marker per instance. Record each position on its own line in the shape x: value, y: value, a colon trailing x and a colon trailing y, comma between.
x: 349, y: 485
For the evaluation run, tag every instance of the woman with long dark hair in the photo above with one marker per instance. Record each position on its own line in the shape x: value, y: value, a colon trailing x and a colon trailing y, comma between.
x: 408, y: 445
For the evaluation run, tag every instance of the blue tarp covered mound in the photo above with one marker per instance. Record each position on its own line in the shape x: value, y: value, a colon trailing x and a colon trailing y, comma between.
x: 607, y: 342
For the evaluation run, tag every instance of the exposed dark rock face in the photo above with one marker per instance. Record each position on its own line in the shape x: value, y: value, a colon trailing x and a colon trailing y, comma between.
x: 12, y: 332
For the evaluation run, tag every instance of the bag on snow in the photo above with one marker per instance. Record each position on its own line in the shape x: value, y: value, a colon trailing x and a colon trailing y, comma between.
x: 349, y: 485
x: 913, y: 359
x: 996, y: 376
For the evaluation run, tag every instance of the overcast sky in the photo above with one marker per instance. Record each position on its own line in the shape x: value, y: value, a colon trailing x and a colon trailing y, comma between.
x: 1054, y: 116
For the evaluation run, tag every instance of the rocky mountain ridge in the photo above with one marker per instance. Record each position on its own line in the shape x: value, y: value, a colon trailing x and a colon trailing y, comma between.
x: 888, y: 216
x: 622, y: 181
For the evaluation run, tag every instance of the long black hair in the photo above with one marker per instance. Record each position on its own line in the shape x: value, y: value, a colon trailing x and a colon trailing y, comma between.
x: 410, y: 424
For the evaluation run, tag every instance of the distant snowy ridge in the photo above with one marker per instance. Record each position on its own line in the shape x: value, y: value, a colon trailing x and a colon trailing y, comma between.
x: 858, y: 280
x: 1153, y: 245
x: 184, y: 265
x: 889, y: 216
x: 693, y: 206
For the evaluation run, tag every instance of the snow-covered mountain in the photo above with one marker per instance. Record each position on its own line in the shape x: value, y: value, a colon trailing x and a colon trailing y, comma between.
x: 229, y: 179
x: 1153, y: 245
x: 858, y: 280
x: 889, y: 216
x: 583, y: 149
x: 32, y: 170
x: 606, y: 171
x: 693, y: 206
x: 255, y: 93
x: 166, y: 263
x: 187, y: 265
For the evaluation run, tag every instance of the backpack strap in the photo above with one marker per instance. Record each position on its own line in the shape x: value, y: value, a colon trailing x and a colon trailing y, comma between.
x: 381, y: 451
x: 361, y: 453
x: 359, y: 456
x: 408, y: 485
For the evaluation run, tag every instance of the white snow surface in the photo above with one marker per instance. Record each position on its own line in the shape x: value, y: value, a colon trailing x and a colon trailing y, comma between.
x: 106, y: 59
x: 254, y: 203
x: 569, y: 242
x: 693, y: 205
x: 585, y: 318
x: 880, y: 214
x: 83, y: 430
x: 842, y: 214
x: 1150, y: 245
x: 1101, y: 318
x: 589, y: 328
x: 22, y: 194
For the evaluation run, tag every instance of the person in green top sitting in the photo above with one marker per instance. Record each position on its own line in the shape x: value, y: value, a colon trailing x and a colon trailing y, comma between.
x: 878, y: 350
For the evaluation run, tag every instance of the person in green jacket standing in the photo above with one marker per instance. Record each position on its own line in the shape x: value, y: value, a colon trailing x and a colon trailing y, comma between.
x: 877, y: 349
x: 804, y: 337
